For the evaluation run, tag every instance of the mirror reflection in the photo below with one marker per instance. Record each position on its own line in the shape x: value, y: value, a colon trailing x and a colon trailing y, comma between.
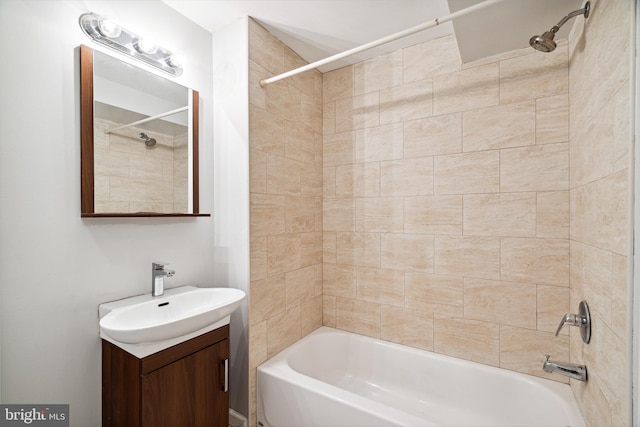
x: 143, y: 139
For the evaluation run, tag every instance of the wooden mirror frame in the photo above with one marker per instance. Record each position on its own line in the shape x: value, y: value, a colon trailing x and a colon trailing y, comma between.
x: 87, y: 153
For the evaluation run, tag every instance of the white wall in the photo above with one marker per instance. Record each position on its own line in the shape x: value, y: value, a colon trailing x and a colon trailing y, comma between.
x: 55, y: 268
x: 231, y: 133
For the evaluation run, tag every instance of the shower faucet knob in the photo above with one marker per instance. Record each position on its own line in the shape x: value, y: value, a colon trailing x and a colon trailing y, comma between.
x: 582, y: 320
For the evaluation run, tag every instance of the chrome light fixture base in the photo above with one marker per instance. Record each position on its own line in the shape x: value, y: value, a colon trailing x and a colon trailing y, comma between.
x: 124, y: 41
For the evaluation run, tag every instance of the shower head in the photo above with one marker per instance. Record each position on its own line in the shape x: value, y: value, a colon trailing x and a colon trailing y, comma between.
x: 545, y: 43
x: 148, y: 142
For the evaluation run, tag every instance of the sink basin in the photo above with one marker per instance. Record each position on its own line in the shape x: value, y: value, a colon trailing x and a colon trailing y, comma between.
x: 181, y: 311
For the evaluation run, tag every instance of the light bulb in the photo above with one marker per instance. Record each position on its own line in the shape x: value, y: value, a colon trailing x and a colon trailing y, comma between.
x: 145, y: 46
x: 174, y: 61
x: 108, y: 28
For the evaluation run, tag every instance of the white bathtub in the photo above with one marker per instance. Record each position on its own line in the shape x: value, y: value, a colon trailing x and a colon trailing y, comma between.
x: 336, y: 378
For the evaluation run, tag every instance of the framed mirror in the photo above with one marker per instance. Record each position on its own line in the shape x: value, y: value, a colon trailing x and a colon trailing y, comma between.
x: 139, y: 141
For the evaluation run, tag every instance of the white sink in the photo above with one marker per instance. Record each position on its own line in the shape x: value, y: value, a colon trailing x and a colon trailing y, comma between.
x: 167, y: 319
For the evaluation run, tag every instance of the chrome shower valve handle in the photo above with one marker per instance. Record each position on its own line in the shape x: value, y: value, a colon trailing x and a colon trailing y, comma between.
x: 582, y: 320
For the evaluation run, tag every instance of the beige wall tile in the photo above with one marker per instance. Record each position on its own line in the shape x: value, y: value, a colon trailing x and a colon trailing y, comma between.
x: 361, y: 317
x: 310, y: 248
x: 407, y: 251
x: 257, y: 345
x: 329, y: 118
x: 537, y: 168
x: 283, y: 253
x: 258, y: 258
x: 300, y: 214
x: 599, y: 212
x: 552, y: 214
x: 408, y: 177
x: 503, y: 126
x: 379, y: 143
x: 358, y: 180
x: 378, y: 73
x: 467, y: 173
x: 257, y: 93
x: 597, y: 278
x: 466, y: 90
x: 339, y: 280
x: 284, y: 101
x: 299, y: 141
x: 552, y: 305
x: 380, y: 214
x: 338, y: 215
x: 592, y: 151
x: 502, y: 214
x: 359, y: 112
x: 267, y: 215
x: 265, y: 49
x: 257, y: 171
x: 467, y: 339
x: 431, y: 293
x: 338, y: 149
x: 266, y: 298
x: 620, y: 296
x: 329, y: 311
x: 468, y: 256
x: 337, y: 84
x: 329, y: 182
x: 329, y: 247
x: 111, y: 163
x: 552, y: 119
x: 534, y: 76
x: 125, y: 189
x: 433, y: 215
x: 505, y: 303
x: 311, y: 315
x: 523, y: 350
x: 362, y: 249
x: 266, y: 131
x: 431, y: 58
x: 541, y: 261
x: 433, y: 136
x: 380, y: 285
x: 410, y: 101
x: 283, y: 330
x: 303, y: 285
x: 283, y: 176
x: 407, y: 327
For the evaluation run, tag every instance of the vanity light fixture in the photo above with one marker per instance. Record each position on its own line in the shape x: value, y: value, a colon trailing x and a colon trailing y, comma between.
x: 104, y: 31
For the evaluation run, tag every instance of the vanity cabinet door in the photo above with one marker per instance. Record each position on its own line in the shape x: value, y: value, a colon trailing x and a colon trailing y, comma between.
x: 188, y: 392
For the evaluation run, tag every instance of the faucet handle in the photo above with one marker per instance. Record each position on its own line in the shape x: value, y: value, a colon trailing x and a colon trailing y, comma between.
x: 159, y: 265
x: 568, y: 319
x: 582, y: 320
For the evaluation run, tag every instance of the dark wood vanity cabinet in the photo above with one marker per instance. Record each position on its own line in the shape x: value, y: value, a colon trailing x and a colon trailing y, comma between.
x: 181, y: 386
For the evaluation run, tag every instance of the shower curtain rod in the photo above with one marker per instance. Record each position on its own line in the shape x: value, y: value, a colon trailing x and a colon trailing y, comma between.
x: 380, y: 41
x: 148, y: 119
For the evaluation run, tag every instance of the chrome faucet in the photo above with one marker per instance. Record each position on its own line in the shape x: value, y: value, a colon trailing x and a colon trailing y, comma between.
x: 579, y: 372
x: 581, y: 320
x: 158, y: 274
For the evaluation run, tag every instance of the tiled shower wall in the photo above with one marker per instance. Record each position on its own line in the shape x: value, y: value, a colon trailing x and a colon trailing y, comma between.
x: 131, y: 178
x: 285, y: 133
x: 444, y: 216
x: 446, y: 203
x: 600, y: 189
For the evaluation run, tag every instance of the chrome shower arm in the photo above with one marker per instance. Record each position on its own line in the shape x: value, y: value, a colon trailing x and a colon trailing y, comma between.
x: 584, y: 11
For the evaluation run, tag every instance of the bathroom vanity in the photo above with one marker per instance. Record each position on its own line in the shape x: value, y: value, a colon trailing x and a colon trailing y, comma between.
x: 183, y: 385
x: 165, y: 358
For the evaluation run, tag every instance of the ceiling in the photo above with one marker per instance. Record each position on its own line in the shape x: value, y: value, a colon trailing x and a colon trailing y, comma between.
x: 316, y: 29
